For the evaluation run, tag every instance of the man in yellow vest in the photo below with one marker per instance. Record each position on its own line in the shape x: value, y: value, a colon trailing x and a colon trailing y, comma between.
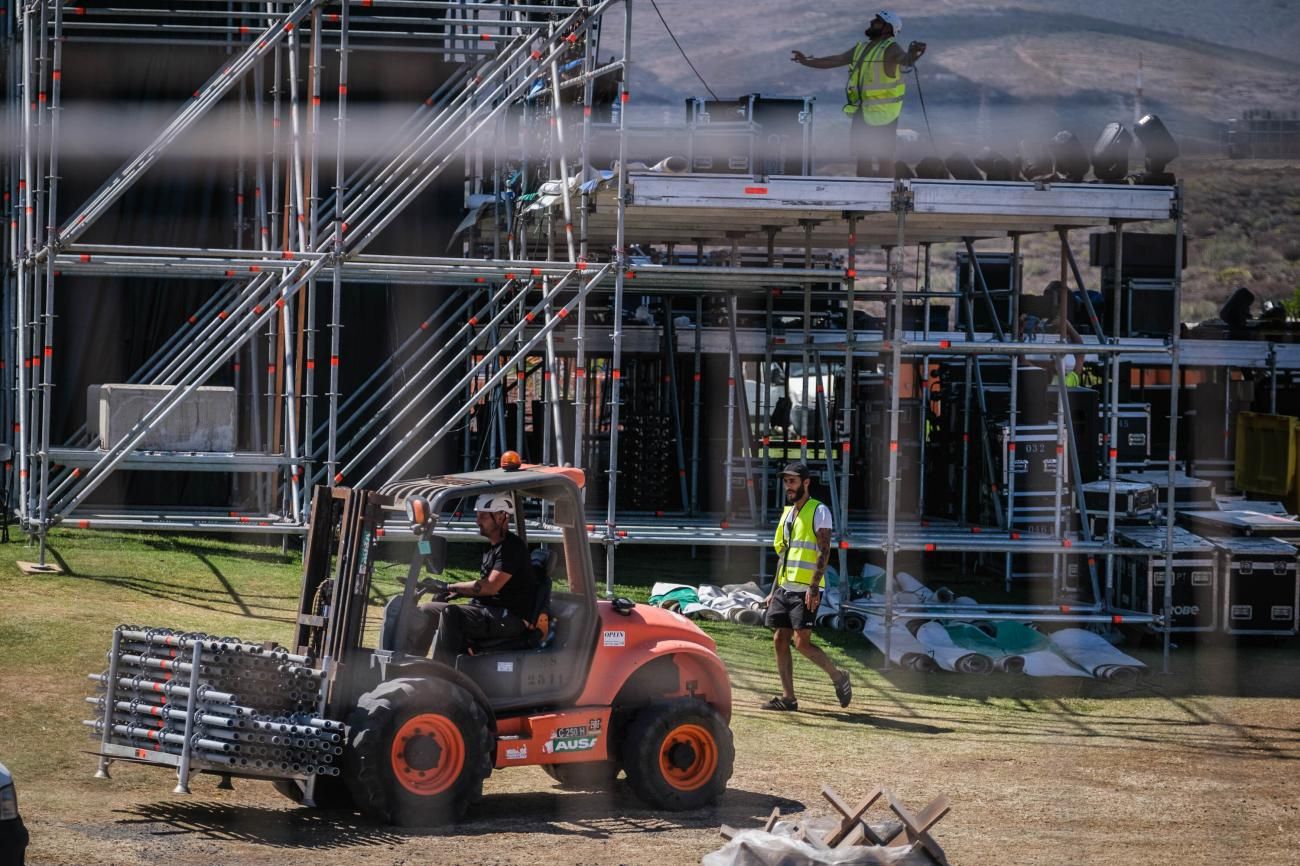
x: 803, y: 545
x: 874, y: 96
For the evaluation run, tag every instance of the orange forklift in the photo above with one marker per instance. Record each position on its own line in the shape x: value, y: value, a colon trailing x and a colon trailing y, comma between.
x: 599, y: 687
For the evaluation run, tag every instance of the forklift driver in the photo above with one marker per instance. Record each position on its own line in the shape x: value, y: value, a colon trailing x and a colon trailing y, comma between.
x: 500, y: 599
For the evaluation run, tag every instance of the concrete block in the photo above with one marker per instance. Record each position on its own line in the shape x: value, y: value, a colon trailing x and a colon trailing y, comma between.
x: 204, y: 421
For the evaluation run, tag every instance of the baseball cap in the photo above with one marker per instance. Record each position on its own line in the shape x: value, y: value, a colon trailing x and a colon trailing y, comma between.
x: 798, y: 468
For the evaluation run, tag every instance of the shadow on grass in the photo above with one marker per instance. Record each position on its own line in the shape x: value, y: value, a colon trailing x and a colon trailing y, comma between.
x: 246, y: 553
x: 583, y: 815
x: 884, y: 723
x: 63, y: 563
x: 199, y: 598
x: 275, y: 828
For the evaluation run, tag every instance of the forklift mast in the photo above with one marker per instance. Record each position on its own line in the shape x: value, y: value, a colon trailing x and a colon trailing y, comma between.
x: 337, y: 569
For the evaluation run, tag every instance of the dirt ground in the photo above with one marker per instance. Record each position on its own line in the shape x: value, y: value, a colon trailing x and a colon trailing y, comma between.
x: 1196, y: 767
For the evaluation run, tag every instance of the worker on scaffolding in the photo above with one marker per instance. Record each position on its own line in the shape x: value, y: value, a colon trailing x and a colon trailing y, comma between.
x: 803, y: 543
x: 874, y: 96
x: 1043, y: 314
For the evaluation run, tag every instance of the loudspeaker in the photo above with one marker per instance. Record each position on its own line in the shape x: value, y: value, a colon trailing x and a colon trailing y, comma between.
x: 1141, y: 250
x: 996, y: 268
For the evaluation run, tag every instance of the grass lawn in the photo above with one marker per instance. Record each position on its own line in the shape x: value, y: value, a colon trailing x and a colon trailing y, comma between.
x: 1198, y: 765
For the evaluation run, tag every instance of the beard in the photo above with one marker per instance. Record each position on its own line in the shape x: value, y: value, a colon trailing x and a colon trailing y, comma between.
x: 874, y: 32
x: 792, y: 496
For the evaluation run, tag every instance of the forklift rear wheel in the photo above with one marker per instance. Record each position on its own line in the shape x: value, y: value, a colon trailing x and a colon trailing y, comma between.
x: 419, y: 750
x: 678, y: 754
x: 590, y: 776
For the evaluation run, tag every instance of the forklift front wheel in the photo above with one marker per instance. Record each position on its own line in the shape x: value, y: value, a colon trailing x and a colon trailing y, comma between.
x: 419, y: 752
x: 678, y: 754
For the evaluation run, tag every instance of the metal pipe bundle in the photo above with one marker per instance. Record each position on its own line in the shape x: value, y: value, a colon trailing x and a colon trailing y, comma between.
x: 213, y: 703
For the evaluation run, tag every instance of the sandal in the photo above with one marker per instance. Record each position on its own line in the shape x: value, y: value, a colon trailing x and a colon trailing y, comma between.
x: 844, y: 689
x: 780, y: 704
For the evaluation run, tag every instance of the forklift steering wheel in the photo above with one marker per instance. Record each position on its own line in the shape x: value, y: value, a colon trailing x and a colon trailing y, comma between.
x: 439, y: 589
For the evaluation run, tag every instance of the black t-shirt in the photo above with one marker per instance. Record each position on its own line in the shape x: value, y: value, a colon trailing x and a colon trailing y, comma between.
x: 510, y: 556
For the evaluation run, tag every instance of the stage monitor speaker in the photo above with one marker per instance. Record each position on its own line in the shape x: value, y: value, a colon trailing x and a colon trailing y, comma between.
x: 1151, y: 252
x: 996, y: 268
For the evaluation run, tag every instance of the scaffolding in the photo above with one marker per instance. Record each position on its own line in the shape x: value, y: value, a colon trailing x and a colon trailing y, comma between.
x: 530, y: 331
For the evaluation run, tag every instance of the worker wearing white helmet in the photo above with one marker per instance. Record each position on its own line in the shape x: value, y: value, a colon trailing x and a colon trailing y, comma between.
x: 500, y: 600
x: 874, y: 95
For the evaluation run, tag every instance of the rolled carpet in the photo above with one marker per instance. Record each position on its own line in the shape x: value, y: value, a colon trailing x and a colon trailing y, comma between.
x: 935, y: 638
x: 904, y: 649
x: 1094, y: 654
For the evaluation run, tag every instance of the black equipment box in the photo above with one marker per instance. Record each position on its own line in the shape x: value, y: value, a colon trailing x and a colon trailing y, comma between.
x: 1261, y: 593
x: 1132, y: 499
x: 1238, y: 524
x: 914, y: 317
x: 1195, y: 577
x: 754, y: 134
x: 1188, y: 491
x: 1133, y: 435
x: 1029, y: 459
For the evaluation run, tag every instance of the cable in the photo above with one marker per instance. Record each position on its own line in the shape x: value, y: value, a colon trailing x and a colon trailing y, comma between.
x: 917, y: 75
x: 673, y: 36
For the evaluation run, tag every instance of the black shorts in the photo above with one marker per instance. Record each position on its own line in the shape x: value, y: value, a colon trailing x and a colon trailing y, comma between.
x: 788, y: 610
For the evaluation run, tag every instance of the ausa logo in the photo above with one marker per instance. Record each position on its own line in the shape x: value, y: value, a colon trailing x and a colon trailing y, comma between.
x: 571, y: 744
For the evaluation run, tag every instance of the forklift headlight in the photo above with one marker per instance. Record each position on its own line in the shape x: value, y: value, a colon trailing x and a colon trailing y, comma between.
x: 417, y: 512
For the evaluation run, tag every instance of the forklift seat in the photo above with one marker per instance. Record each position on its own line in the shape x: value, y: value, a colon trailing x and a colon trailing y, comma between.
x: 541, y: 625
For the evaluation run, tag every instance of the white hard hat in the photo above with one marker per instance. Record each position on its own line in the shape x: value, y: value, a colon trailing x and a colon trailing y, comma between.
x: 892, y: 19
x: 495, y: 502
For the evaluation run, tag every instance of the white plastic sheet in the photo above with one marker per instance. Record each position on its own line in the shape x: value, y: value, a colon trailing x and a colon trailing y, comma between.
x: 780, y: 848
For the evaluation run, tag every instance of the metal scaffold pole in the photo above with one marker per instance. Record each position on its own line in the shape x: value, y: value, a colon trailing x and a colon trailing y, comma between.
x: 336, y: 251
x: 1175, y: 377
x: 902, y: 203
x: 620, y: 263
x: 52, y: 243
x: 846, y: 403
x: 1112, y: 416
x: 313, y: 213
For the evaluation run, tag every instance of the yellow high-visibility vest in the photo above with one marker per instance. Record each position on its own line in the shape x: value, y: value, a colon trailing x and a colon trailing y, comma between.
x: 800, y: 562
x: 878, y: 96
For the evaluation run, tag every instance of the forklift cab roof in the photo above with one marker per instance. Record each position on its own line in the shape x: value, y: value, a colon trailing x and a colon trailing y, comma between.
x: 544, y: 482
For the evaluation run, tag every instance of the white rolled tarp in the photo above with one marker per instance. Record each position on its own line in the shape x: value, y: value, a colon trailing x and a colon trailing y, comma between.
x: 904, y: 649
x: 1094, y: 654
x: 907, y: 583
